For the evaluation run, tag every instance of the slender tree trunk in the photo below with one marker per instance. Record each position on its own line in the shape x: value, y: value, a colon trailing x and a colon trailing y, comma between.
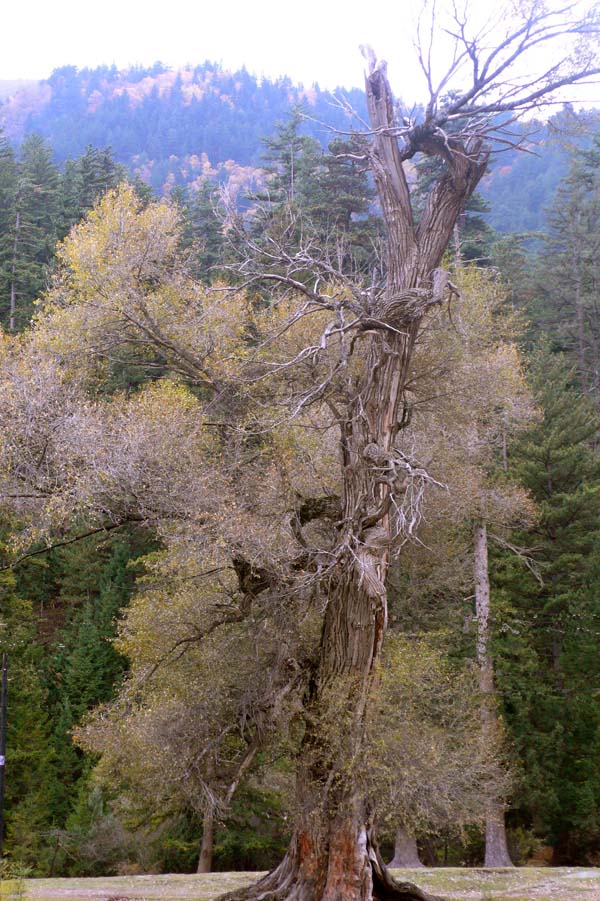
x: 208, y: 831
x: 496, y: 850
x: 406, y: 853
x: 504, y: 451
x: 595, y: 347
x: 457, y: 242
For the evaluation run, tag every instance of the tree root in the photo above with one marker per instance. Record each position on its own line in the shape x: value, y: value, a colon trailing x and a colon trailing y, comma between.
x: 386, y: 888
x: 287, y: 884
x: 313, y: 870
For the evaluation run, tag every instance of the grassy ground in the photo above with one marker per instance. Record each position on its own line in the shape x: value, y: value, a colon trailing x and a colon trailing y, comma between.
x: 526, y: 884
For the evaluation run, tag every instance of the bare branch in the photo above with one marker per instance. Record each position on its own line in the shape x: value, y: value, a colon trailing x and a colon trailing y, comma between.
x: 57, y: 544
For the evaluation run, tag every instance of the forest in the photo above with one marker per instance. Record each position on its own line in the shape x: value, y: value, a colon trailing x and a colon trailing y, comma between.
x: 174, y: 128
x: 242, y: 438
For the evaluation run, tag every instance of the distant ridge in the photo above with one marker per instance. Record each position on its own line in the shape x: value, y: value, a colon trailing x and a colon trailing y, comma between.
x: 180, y: 127
x: 168, y: 126
x: 8, y: 87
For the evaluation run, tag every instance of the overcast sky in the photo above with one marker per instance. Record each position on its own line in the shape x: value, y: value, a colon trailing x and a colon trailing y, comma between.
x: 309, y: 40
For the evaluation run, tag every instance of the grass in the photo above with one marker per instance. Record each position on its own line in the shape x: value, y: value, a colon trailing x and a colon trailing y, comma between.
x: 523, y: 884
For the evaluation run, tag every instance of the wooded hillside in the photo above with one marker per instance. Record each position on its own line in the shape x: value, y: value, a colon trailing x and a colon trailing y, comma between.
x: 174, y: 128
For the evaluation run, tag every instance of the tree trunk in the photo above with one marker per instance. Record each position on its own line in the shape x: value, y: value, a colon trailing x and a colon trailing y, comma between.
x: 333, y: 855
x: 406, y: 853
x: 595, y: 333
x: 496, y: 851
x: 343, y: 866
x: 208, y: 831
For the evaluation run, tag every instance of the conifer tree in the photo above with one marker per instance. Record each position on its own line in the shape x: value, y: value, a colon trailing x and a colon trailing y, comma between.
x: 569, y: 271
x: 83, y: 668
x: 547, y: 649
x: 202, y: 229
x: 33, y: 230
x: 316, y: 196
x: 30, y: 766
x: 8, y: 193
x: 84, y: 181
x: 290, y: 161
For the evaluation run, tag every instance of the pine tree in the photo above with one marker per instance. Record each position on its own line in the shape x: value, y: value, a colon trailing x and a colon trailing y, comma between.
x: 84, y: 668
x: 33, y: 232
x: 84, y: 181
x: 290, y: 162
x: 340, y: 204
x: 8, y: 194
x: 30, y: 767
x: 569, y: 270
x: 202, y: 234
x: 329, y: 193
x: 548, y: 661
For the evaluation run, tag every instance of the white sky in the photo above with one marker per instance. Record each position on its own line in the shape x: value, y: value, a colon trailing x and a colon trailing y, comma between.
x: 309, y: 40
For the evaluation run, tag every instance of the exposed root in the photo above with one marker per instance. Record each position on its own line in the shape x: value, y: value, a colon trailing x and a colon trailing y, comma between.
x: 294, y: 890
x: 386, y: 888
x: 288, y: 883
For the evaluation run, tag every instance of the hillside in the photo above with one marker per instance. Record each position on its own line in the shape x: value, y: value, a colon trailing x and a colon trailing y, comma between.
x: 178, y: 127
x: 166, y: 126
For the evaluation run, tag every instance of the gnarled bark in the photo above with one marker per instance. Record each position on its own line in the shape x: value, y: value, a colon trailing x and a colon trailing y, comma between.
x: 333, y: 855
x: 342, y: 865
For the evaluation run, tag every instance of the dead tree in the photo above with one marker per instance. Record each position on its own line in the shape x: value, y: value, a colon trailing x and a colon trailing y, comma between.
x: 496, y: 849
x: 333, y: 855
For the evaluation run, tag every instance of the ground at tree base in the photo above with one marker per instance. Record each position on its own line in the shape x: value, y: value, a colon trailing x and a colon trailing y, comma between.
x: 518, y: 884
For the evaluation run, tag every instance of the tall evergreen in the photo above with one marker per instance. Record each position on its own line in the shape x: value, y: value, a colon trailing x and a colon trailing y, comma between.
x: 84, y: 181
x: 58, y: 615
x: 8, y: 196
x: 317, y: 198
x: 548, y: 662
x: 30, y: 766
x: 83, y: 667
x: 290, y: 162
x: 202, y: 235
x: 33, y: 230
x: 569, y: 270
